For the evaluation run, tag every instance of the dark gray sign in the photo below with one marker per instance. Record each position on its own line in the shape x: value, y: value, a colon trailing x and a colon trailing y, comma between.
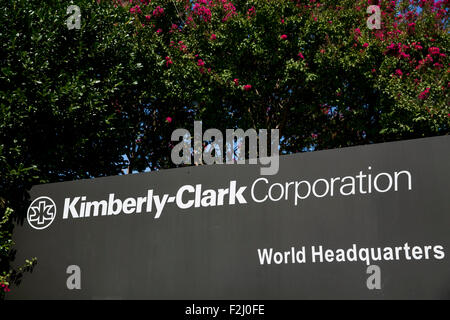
x: 364, y: 222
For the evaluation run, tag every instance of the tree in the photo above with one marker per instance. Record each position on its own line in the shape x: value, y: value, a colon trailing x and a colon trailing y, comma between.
x: 74, y: 103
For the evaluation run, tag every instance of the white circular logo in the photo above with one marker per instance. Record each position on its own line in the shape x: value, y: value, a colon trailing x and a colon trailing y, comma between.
x: 41, y: 213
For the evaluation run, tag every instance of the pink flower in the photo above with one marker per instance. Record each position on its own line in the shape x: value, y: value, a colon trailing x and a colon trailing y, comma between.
x: 230, y: 10
x: 301, y: 56
x: 135, y: 9
x: 365, y: 45
x: 251, y: 12
x: 158, y: 11
x: 398, y: 72
x: 213, y: 37
x: 236, y: 81
x: 202, y: 11
x: 200, y: 63
x: 283, y: 37
x: 424, y: 94
x: 392, y: 46
x: 158, y: 31
x: 168, y: 119
x: 247, y: 87
x: 404, y: 55
x: 168, y: 61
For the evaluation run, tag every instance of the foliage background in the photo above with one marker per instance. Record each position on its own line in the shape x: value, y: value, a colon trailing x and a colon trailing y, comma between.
x: 96, y: 101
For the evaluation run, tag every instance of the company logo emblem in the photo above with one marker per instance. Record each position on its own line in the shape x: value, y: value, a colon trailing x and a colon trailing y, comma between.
x: 41, y: 213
